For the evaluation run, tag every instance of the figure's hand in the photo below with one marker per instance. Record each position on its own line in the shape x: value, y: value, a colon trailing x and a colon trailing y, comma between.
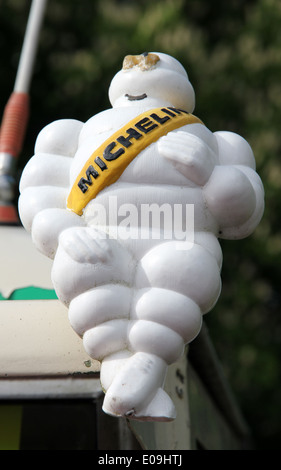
x: 104, y: 258
x: 189, y: 154
x: 86, y: 245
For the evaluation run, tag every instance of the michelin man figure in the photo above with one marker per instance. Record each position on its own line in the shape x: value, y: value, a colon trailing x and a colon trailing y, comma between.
x: 136, y: 292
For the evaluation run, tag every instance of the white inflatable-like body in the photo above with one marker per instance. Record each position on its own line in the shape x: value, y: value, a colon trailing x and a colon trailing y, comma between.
x: 136, y: 292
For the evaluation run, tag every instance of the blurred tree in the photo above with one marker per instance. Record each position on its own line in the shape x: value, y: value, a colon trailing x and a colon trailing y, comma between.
x: 232, y: 53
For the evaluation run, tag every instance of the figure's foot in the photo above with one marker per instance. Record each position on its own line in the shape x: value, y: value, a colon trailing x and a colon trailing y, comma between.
x: 161, y: 408
x: 136, y: 391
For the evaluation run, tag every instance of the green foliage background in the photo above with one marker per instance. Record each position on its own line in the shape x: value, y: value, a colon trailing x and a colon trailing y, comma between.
x: 232, y: 53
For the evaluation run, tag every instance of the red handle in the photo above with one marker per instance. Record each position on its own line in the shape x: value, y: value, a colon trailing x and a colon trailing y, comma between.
x: 8, y: 215
x: 14, y: 124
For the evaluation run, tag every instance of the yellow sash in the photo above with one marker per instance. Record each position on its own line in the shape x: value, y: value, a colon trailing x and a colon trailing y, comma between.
x: 108, y: 162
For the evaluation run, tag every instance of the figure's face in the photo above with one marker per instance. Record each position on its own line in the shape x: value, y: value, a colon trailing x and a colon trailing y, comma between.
x: 154, y: 78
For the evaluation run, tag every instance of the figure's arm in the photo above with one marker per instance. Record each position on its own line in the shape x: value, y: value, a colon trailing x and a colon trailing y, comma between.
x: 234, y: 193
x: 44, y: 185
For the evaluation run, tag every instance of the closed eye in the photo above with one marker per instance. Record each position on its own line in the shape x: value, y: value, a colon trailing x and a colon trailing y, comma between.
x: 136, y: 97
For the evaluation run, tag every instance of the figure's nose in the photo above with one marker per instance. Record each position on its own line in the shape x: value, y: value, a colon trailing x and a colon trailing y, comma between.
x: 144, y: 61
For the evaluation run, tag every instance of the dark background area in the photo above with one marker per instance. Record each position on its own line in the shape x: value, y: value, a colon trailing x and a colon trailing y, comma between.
x: 232, y: 53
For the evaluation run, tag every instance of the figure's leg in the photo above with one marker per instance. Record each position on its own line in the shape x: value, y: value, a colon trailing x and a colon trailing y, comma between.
x: 193, y: 272
x: 162, y: 322
x: 92, y: 274
x: 175, y: 288
x: 99, y: 305
x: 170, y: 309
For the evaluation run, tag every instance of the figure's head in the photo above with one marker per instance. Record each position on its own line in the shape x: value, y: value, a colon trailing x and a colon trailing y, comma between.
x: 155, y: 77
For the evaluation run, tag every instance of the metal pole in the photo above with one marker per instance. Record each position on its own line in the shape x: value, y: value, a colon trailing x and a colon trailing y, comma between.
x: 30, y: 45
x: 16, y: 113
